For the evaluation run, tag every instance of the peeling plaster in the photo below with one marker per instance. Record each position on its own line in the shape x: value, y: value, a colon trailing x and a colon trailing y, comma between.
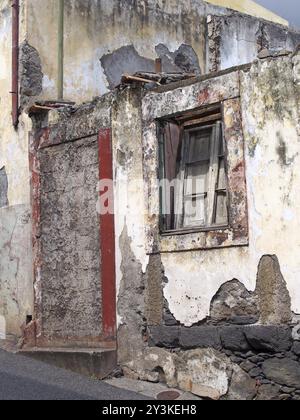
x: 238, y: 39
x: 127, y: 60
x: 3, y: 188
x: 195, y: 277
x: 97, y: 29
x: 16, y: 297
x: 128, y: 195
x: 31, y: 76
x: 16, y: 294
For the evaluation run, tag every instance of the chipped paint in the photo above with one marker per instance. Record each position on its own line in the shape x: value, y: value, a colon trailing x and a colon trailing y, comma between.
x: 96, y: 29
x: 154, y: 27
x: 194, y: 277
x: 16, y: 291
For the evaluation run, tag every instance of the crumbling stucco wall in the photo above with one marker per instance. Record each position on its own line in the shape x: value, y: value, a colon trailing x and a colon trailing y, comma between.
x: 250, y: 7
x: 191, y: 279
x: 105, y: 38
x: 239, y: 300
x: 131, y: 34
x: 15, y: 226
x: 129, y: 221
x: 238, y: 39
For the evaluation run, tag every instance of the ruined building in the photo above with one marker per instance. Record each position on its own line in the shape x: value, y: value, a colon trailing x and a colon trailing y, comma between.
x: 194, y: 285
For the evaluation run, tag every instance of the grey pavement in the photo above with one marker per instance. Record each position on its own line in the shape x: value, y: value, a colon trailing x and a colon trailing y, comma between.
x: 22, y: 378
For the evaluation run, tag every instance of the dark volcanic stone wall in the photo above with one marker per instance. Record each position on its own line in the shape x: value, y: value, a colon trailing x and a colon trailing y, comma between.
x: 267, y: 354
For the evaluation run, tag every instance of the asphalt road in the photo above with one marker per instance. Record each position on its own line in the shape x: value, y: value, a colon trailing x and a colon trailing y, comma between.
x: 24, y: 379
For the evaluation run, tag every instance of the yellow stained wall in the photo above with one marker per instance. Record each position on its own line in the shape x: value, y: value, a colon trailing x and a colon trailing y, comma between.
x: 251, y: 8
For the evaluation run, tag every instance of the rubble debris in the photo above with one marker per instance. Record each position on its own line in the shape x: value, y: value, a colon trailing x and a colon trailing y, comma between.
x: 155, y: 78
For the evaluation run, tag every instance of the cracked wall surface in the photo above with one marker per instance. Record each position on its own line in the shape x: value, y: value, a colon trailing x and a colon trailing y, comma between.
x: 16, y: 294
x: 31, y: 76
x: 66, y: 225
x: 3, y: 188
x: 269, y: 101
x: 126, y: 33
x: 16, y: 291
x: 210, y: 298
x: 117, y: 37
x: 71, y: 286
x: 238, y: 39
x: 233, y: 308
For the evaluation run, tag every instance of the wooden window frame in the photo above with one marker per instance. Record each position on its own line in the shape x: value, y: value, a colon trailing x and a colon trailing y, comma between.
x: 206, y: 119
x: 228, y: 102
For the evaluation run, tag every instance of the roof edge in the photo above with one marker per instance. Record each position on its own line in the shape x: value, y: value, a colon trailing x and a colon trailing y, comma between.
x: 251, y: 8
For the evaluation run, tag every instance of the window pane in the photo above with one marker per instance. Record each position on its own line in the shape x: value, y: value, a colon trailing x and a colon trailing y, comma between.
x: 196, y: 179
x: 198, y: 147
x: 192, y: 160
x: 194, y: 211
x: 172, y: 150
x: 221, y: 210
x: 222, y: 176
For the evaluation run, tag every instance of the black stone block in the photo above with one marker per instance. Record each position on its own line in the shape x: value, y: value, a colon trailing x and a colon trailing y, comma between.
x: 272, y: 339
x: 163, y: 336
x: 233, y: 338
x: 200, y: 337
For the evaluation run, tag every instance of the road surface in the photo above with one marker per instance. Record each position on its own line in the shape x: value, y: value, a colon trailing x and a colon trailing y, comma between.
x: 22, y: 378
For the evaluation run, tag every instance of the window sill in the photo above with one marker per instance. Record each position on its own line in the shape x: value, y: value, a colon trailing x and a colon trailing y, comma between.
x: 218, y: 238
x: 178, y: 232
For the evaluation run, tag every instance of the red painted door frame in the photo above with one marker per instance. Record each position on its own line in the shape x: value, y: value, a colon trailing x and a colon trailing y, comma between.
x: 107, y: 242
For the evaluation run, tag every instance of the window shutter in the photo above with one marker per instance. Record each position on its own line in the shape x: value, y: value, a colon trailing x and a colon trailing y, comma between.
x: 193, y: 165
x: 196, y: 163
x: 221, y: 211
x: 171, y: 151
x: 179, y: 190
x: 214, y: 171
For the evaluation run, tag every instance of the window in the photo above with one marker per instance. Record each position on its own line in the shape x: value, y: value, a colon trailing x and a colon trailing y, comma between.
x: 180, y: 136
x: 193, y: 190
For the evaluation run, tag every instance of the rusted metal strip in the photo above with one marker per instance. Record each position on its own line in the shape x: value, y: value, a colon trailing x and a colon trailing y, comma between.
x: 107, y: 243
x: 158, y: 65
x: 15, y: 63
x: 60, y: 49
x: 35, y: 187
x: 128, y: 78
